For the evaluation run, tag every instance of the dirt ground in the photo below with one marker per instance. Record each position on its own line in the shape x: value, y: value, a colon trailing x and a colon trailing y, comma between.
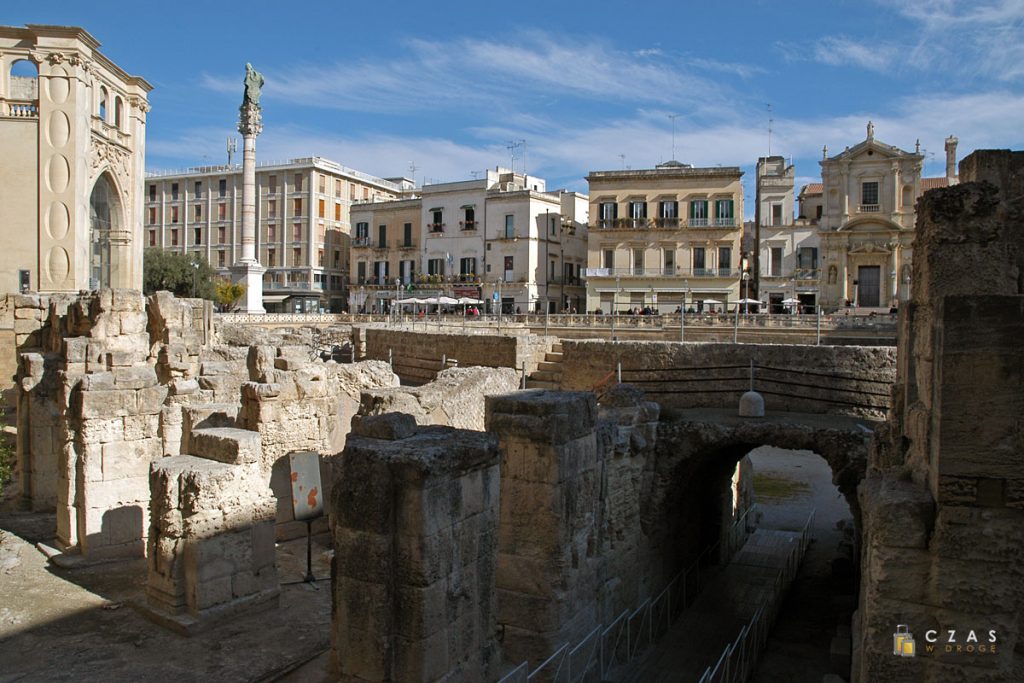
x: 80, y: 625
x: 818, y: 601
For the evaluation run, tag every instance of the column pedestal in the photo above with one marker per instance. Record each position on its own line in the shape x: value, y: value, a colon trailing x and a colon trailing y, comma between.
x: 250, y: 275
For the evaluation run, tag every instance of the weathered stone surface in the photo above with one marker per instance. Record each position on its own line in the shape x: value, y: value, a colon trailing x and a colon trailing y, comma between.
x: 389, y: 426
x: 226, y: 444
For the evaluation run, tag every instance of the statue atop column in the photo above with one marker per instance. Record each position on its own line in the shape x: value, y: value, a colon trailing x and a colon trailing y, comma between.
x: 250, y: 120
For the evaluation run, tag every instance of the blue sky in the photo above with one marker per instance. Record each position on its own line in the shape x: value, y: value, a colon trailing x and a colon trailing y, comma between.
x: 588, y: 86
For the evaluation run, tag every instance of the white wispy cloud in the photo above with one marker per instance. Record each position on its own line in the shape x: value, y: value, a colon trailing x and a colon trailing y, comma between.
x: 842, y: 51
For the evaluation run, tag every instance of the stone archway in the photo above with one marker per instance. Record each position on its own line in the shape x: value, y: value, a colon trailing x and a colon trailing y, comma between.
x: 106, y: 220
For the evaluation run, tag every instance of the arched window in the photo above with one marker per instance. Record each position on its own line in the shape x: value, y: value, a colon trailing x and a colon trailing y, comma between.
x: 118, y: 112
x: 103, y: 103
x: 104, y: 216
x: 23, y: 92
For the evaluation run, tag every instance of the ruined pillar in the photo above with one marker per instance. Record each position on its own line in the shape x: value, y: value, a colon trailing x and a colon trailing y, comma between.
x: 414, y: 521
x: 548, y: 542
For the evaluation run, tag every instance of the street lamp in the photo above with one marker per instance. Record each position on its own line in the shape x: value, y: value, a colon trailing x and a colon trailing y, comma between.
x: 195, y: 276
x: 746, y: 277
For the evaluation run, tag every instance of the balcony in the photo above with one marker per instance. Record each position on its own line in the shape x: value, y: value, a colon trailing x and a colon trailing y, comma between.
x: 20, y: 109
x: 406, y: 244
x: 630, y: 272
x: 666, y: 223
x: 806, y: 274
x: 868, y: 208
x: 697, y: 222
x: 358, y: 242
x: 725, y: 222
x: 467, y: 225
x: 435, y: 228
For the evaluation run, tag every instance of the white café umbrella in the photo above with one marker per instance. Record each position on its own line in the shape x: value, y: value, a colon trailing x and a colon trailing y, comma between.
x: 469, y: 300
x: 746, y: 301
x: 448, y: 301
x: 711, y: 301
x: 790, y: 302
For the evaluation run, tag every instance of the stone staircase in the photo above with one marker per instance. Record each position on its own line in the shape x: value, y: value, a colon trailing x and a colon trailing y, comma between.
x: 548, y: 374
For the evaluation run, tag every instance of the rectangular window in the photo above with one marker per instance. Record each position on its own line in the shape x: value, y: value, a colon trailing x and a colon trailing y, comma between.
x: 467, y: 266
x: 469, y: 222
x: 337, y: 211
x: 362, y: 230
x: 435, y: 266
x: 271, y: 257
x: 638, y: 261
x: 382, y: 237
x: 297, y: 256
x: 338, y: 187
x: 337, y: 256
x: 152, y: 215
x: 699, y: 262
x: 222, y: 235
x: 807, y: 257
x: 609, y: 258
x: 553, y: 225
x: 776, y: 261
x: 609, y: 213
x: 322, y: 209
x: 638, y: 210
x: 509, y: 267
x: 222, y: 211
x: 222, y: 187
x: 197, y: 236
x: 668, y: 209
x: 297, y: 183
x: 510, y: 226
x: 320, y: 258
x: 152, y: 238
x: 724, y: 260
x: 272, y: 208
x: 198, y: 212
x: 776, y: 214
x: 198, y: 189
x: 407, y: 235
x: 272, y: 182
x: 174, y: 237
x: 669, y: 258
x: 699, y: 213
x: 174, y: 214
x: 323, y: 184
x: 174, y: 191
x: 723, y: 212
x: 869, y: 193
x: 221, y: 258
x: 152, y: 193
x: 297, y: 232
x: 297, y: 207
x: 438, y: 224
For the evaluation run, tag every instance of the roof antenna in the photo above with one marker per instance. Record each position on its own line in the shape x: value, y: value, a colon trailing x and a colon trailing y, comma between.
x: 673, y: 117
x: 623, y: 157
x: 770, y: 121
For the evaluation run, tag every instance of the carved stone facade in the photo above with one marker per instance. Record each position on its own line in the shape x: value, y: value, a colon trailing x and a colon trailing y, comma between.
x: 71, y: 175
x: 866, y: 227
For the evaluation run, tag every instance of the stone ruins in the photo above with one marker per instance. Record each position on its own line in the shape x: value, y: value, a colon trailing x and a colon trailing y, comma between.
x: 476, y: 525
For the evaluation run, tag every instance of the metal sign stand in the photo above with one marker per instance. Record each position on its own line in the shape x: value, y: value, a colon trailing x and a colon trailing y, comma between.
x: 307, y: 499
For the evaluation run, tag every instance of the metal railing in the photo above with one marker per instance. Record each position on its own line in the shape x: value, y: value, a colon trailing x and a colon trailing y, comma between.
x: 868, y: 208
x: 632, y: 632
x: 739, y: 658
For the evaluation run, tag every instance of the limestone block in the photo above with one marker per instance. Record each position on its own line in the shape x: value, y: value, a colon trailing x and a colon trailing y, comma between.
x: 290, y: 363
x: 135, y: 377
x: 100, y: 381
x: 183, y: 387
x: 102, y: 431
x: 389, y: 426
x: 227, y: 445
x: 123, y: 459
x: 260, y: 361
x: 151, y: 399
x: 553, y: 417
x: 260, y: 391
x: 106, y: 404
x: 897, y: 513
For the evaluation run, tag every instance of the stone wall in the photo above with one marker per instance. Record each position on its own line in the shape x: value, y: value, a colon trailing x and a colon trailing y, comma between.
x: 454, y: 399
x: 943, y: 504
x: 844, y: 380
x: 415, y: 516
x: 417, y: 356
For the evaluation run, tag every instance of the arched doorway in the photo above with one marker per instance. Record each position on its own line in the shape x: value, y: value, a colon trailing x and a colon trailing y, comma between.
x: 104, y: 218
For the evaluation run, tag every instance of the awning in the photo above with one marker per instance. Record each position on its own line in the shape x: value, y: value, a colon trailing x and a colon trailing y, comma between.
x: 466, y: 206
x: 436, y: 208
x: 274, y: 298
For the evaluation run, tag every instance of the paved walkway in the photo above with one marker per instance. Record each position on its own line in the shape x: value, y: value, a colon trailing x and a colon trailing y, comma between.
x: 726, y: 604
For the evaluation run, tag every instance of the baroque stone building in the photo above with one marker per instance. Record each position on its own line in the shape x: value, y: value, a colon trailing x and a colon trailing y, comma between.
x: 73, y: 136
x: 866, y: 227
x: 302, y: 219
x: 663, y: 235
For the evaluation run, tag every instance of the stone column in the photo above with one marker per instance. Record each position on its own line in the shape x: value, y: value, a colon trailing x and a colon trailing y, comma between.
x: 248, y: 270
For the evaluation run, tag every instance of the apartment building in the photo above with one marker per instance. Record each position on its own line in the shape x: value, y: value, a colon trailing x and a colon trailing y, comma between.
x: 867, y: 218
x: 302, y: 218
x: 502, y: 237
x: 72, y: 138
x: 664, y: 236
x: 788, y: 256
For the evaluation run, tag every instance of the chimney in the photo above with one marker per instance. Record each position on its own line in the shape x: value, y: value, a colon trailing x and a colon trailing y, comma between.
x: 951, y: 160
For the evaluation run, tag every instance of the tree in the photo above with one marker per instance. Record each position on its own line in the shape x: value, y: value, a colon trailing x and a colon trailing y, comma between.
x: 228, y: 293
x: 178, y: 273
